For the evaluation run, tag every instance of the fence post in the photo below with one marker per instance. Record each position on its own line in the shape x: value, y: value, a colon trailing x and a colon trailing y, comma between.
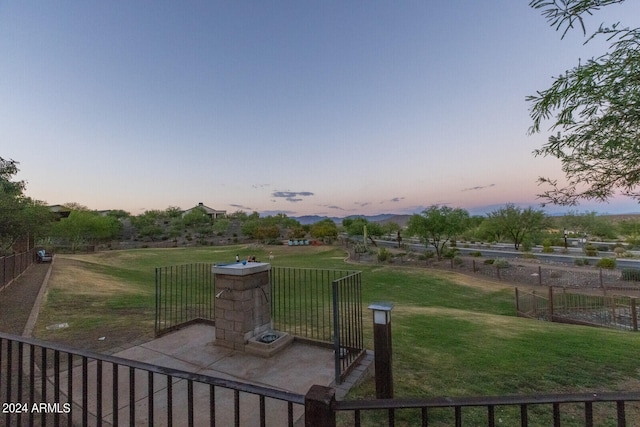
x: 540, y: 275
x: 550, y: 303
x: 634, y: 314
x: 318, y: 407
x: 498, y: 271
x: 601, y: 282
x: 474, y: 265
x: 517, y: 303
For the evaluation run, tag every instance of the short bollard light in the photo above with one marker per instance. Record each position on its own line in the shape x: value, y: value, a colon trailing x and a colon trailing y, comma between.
x: 382, y: 349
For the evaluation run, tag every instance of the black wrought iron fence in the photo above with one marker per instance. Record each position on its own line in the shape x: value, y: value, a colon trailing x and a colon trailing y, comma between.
x: 12, y: 266
x: 322, y: 306
x: 301, y: 302
x: 558, y: 305
x: 573, y: 410
x: 50, y: 384
x: 319, y: 305
x: 184, y: 293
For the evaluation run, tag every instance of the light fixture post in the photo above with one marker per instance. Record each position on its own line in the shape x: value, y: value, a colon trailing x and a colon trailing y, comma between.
x: 383, y: 349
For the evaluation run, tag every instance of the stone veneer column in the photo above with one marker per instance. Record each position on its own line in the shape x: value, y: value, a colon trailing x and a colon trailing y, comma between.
x: 242, y: 310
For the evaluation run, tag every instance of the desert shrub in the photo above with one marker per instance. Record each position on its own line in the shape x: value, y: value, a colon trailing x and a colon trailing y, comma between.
x: 555, y: 274
x: 458, y: 261
x: 528, y: 255
x: 581, y: 261
x: 383, y: 255
x: 449, y: 253
x: 475, y: 253
x: 608, y: 263
x: 619, y: 251
x: 630, y: 274
x: 452, y: 244
x: 527, y: 245
x: 360, y: 248
x: 603, y: 248
x: 489, y: 261
x: 590, y: 250
x: 426, y: 255
x: 547, y: 250
x: 501, y: 263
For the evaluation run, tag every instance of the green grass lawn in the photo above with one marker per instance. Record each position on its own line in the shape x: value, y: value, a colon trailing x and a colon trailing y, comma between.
x: 451, y: 335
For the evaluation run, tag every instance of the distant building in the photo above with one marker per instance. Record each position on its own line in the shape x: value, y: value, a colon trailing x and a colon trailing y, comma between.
x: 60, y: 211
x: 213, y: 213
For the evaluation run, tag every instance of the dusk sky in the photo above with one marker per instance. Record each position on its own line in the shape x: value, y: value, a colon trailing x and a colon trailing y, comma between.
x: 327, y: 107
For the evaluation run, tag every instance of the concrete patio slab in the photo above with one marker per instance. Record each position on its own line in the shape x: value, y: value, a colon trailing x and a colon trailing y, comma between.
x: 192, y: 349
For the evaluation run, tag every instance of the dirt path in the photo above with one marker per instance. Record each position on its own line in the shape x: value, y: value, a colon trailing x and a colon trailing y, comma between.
x: 16, y: 303
x: 17, y: 299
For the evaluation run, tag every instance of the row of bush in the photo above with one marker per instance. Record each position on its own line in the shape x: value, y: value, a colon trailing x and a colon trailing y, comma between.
x: 628, y: 274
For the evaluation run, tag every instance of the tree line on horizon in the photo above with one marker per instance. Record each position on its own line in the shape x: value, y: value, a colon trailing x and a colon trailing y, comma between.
x: 436, y: 226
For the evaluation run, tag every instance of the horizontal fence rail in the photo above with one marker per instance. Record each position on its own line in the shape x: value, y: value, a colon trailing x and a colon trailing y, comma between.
x: 610, y: 311
x: 581, y: 409
x: 12, y: 266
x: 184, y: 293
x: 49, y: 384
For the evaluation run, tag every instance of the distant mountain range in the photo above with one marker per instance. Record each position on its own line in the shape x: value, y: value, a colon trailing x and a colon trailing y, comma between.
x: 381, y: 218
x: 402, y: 220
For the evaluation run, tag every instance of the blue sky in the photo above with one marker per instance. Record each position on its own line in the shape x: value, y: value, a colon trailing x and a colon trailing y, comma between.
x: 329, y: 108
